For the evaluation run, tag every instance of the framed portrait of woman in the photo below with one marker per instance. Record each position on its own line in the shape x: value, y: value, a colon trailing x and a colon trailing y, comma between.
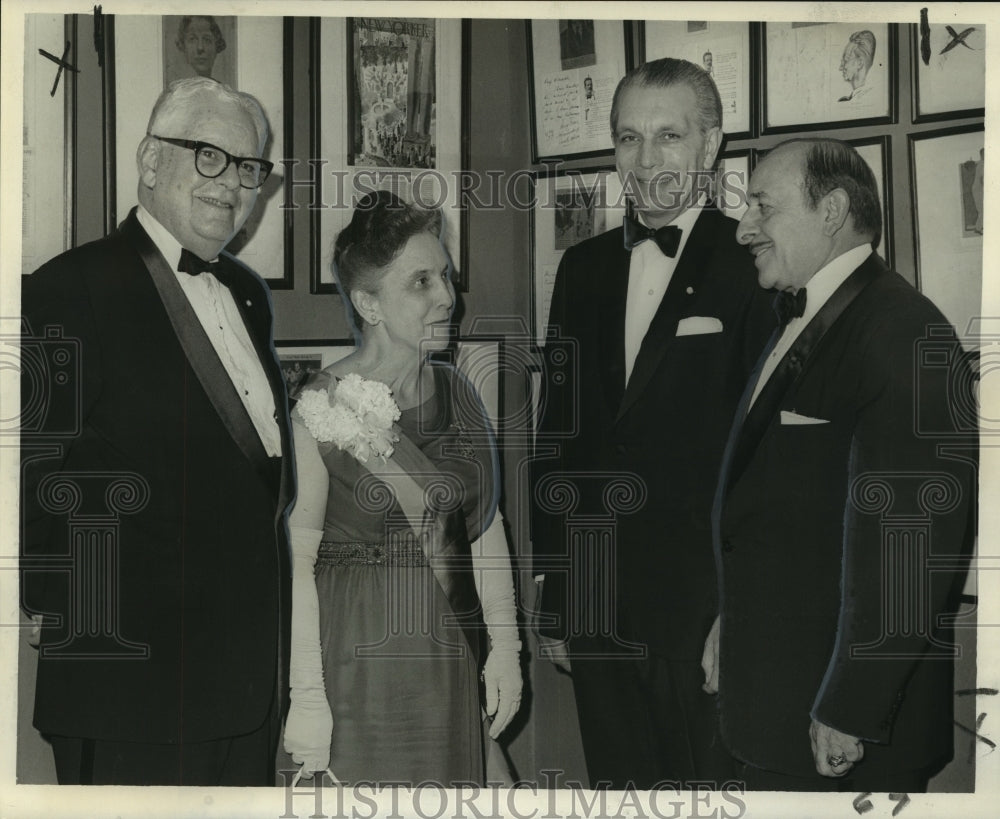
x: 199, y: 46
x: 143, y: 56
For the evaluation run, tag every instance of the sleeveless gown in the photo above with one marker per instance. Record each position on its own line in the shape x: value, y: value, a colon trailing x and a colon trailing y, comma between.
x: 402, y: 683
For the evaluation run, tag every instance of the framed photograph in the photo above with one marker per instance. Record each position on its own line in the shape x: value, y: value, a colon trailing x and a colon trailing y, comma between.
x: 300, y: 359
x: 723, y: 49
x: 731, y: 180
x: 392, y: 120
x: 946, y: 181
x: 877, y: 153
x: 569, y: 208
x: 574, y: 67
x: 200, y: 46
x: 253, y: 52
x: 949, y: 71
x: 827, y: 75
x: 47, y: 145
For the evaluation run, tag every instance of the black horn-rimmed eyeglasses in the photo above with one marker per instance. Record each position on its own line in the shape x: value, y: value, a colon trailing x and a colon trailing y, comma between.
x: 211, y: 161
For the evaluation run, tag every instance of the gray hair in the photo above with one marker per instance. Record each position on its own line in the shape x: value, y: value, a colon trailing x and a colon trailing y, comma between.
x: 668, y: 71
x: 172, y: 104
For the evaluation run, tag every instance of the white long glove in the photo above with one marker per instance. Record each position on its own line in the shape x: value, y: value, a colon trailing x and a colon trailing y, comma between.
x: 309, y: 727
x: 495, y: 584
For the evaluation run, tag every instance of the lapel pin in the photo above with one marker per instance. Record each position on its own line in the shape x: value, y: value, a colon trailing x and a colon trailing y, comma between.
x: 690, y: 290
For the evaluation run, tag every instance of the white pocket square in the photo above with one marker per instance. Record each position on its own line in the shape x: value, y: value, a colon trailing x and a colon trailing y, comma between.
x: 698, y: 325
x: 794, y: 419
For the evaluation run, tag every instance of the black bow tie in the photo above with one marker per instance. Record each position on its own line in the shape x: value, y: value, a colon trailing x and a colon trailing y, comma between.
x: 667, y: 238
x: 789, y: 305
x: 195, y: 265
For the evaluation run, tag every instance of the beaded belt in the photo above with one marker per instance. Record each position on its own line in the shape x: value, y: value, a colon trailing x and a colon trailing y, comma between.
x: 405, y: 552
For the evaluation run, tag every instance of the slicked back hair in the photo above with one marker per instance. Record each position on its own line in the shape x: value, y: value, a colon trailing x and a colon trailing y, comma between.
x: 669, y: 71
x: 831, y: 164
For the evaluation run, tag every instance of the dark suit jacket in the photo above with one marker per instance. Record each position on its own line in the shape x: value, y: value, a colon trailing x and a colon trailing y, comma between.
x: 667, y: 430
x: 154, y: 535
x: 826, y: 529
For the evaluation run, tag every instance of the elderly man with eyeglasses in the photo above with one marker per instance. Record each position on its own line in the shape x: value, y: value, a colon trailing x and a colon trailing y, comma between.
x: 156, y: 472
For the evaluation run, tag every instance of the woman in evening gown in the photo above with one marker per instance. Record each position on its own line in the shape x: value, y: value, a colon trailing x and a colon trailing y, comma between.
x: 403, y: 600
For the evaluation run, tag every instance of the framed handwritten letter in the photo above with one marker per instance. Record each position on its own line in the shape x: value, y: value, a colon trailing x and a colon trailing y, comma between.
x: 722, y: 49
x: 827, y: 75
x: 575, y: 66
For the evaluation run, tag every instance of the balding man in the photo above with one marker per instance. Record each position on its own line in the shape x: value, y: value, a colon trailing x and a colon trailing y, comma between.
x: 844, y: 500
x: 162, y: 657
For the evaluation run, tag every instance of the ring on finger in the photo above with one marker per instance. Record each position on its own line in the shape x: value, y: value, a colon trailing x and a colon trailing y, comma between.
x: 837, y: 760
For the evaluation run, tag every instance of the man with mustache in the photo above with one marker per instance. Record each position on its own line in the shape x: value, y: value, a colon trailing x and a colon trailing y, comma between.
x: 845, y: 500
x: 650, y: 342
x: 163, y: 656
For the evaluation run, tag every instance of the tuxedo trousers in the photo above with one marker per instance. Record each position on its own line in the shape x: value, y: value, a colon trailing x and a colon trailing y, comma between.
x: 645, y: 721
x: 247, y: 760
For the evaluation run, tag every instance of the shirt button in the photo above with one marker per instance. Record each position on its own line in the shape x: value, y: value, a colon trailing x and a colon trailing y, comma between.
x: 651, y: 292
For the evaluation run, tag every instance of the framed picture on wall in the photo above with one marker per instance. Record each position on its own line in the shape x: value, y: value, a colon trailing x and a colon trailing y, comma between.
x: 731, y: 179
x: 569, y: 207
x: 300, y: 359
x: 827, y: 75
x: 946, y: 181
x: 47, y: 139
x: 877, y: 154
x: 393, y: 120
x: 145, y: 53
x: 574, y: 67
x: 722, y: 49
x: 948, y: 70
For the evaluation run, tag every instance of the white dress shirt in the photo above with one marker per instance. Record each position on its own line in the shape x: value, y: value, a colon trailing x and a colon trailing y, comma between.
x: 216, y: 309
x: 818, y: 291
x: 649, y: 273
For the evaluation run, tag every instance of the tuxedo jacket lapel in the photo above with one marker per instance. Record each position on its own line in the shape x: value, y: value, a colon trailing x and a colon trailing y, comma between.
x: 613, y: 294
x: 201, y: 354
x: 794, y: 361
x: 663, y: 328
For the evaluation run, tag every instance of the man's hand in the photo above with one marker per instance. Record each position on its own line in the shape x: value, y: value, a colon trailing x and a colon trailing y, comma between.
x: 710, y: 660
x: 556, y: 652
x: 835, y: 753
x: 35, y: 631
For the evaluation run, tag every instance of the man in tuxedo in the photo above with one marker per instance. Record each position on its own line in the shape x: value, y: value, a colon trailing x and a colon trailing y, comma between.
x: 156, y: 472
x: 844, y: 502
x: 649, y: 343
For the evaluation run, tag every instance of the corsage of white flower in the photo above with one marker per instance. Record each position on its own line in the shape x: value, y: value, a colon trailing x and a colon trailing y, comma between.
x: 358, y: 421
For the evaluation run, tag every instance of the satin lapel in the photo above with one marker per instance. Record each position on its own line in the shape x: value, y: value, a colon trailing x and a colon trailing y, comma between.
x: 200, y: 353
x: 662, y: 330
x: 795, y: 360
x: 257, y: 323
x: 612, y: 291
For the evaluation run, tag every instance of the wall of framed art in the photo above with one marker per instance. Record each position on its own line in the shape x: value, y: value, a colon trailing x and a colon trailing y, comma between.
x: 507, y: 250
